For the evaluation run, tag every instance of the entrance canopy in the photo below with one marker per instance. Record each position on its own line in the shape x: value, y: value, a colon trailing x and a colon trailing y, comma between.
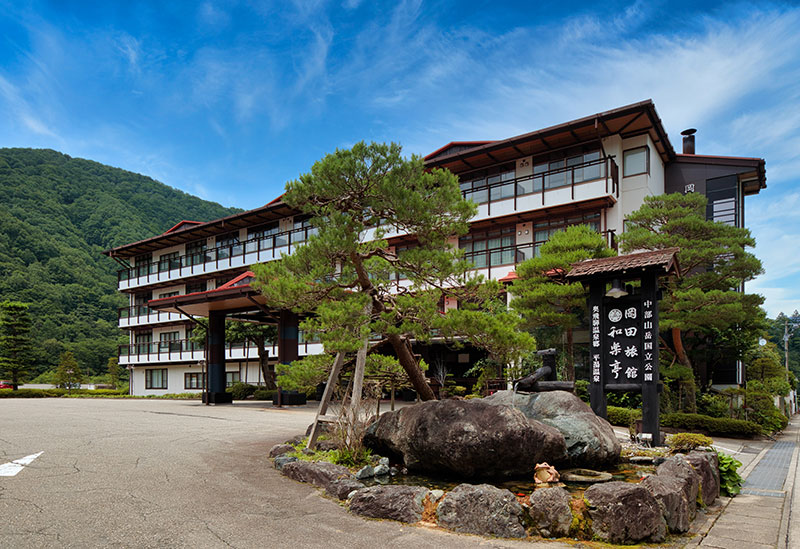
x: 235, y: 298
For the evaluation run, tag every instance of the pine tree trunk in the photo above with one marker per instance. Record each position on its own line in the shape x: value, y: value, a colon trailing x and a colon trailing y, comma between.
x: 683, y: 358
x: 402, y: 348
x: 570, y: 373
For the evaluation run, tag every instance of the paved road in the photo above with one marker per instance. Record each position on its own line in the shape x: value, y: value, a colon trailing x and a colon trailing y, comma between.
x: 150, y: 473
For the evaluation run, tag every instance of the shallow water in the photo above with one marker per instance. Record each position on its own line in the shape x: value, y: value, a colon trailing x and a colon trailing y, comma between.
x: 625, y: 472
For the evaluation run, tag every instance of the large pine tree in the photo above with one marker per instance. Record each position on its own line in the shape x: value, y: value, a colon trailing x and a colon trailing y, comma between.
x: 15, y: 341
x: 706, y: 303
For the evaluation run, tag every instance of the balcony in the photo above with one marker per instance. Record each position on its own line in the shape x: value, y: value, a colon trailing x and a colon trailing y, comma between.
x: 221, y: 258
x: 141, y: 315
x: 585, y: 181
x: 185, y: 350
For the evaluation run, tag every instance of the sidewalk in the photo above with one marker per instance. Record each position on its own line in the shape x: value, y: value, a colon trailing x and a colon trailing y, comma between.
x: 759, y: 517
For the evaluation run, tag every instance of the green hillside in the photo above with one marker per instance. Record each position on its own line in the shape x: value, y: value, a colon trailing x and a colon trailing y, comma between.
x: 57, y: 214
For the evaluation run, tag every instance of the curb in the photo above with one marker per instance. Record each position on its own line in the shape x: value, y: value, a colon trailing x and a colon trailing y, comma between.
x: 789, y: 499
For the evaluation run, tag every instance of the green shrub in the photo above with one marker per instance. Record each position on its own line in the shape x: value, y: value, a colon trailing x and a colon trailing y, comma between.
x: 458, y: 390
x: 24, y: 393
x: 624, y: 399
x: 624, y: 417
x: 711, y: 425
x: 686, y: 442
x: 730, y: 482
x: 764, y: 412
x: 264, y: 394
x: 713, y: 405
x: 241, y: 391
x: 582, y: 390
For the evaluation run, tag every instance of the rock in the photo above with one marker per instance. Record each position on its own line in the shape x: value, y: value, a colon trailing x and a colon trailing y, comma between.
x: 280, y: 461
x: 365, y: 472
x: 322, y: 429
x: 590, y: 439
x: 381, y: 470
x: 396, y: 502
x: 668, y: 491
x: 707, y: 466
x: 469, y: 438
x: 342, y: 488
x: 435, y: 495
x: 678, y: 467
x: 383, y: 461
x: 622, y: 512
x: 483, y: 509
x: 295, y: 440
x: 319, y: 473
x: 394, y: 471
x: 325, y: 445
x: 550, y: 512
x: 280, y: 449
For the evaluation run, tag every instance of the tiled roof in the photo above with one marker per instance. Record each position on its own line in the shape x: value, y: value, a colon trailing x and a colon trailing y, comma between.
x: 665, y: 259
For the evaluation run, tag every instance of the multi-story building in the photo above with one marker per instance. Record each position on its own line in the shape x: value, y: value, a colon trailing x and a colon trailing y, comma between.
x: 595, y: 170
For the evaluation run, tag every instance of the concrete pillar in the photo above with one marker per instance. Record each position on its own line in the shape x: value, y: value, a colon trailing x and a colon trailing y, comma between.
x: 287, y: 337
x: 215, y: 345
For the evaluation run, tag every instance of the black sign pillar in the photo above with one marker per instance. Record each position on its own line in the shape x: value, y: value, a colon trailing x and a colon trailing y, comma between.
x: 597, y: 394
x: 650, y: 399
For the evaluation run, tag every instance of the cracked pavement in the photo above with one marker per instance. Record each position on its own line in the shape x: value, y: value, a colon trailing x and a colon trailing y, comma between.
x: 157, y: 473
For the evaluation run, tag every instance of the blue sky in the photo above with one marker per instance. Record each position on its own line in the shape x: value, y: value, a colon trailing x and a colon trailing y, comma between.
x: 229, y: 100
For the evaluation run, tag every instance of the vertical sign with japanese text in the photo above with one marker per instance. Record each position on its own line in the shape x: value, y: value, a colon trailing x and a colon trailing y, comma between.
x: 623, y: 349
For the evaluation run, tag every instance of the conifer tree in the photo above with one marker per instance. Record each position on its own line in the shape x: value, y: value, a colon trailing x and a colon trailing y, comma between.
x: 707, y: 300
x: 69, y: 372
x: 15, y: 341
x: 543, y: 295
x: 347, y: 278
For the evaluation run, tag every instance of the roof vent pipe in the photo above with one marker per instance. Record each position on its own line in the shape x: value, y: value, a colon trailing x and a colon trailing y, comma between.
x: 688, y: 140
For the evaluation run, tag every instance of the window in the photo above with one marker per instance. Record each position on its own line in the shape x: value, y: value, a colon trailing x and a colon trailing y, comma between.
x: 143, y: 343
x: 196, y: 252
x: 301, y: 230
x: 143, y: 266
x: 493, y: 184
x: 543, y: 230
x: 228, y: 245
x: 155, y: 379
x: 262, y: 238
x: 169, y: 261
x: 193, y: 380
x: 140, y: 302
x: 490, y: 248
x: 636, y: 161
x: 168, y: 294
x: 194, y: 287
x: 169, y: 342
x: 231, y: 378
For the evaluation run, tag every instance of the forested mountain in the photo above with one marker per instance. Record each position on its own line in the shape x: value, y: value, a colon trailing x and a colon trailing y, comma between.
x: 57, y: 214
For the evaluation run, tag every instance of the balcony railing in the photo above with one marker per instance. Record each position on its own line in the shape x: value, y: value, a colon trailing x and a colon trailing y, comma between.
x: 186, y: 349
x: 568, y: 176
x: 220, y: 253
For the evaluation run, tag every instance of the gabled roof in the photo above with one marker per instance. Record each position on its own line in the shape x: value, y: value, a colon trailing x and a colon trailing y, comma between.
x: 665, y: 261
x: 628, y: 121
x: 454, y: 147
x: 182, y: 226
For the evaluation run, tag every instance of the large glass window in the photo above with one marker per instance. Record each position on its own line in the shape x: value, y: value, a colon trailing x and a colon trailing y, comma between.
x: 169, y: 261
x: 543, y: 230
x: 143, y: 342
x: 262, y: 238
x: 155, y: 378
x: 636, y: 161
x: 195, y: 287
x: 231, y: 378
x: 144, y: 264
x: 301, y: 230
x: 168, y: 342
x: 196, y: 252
x: 490, y: 248
x: 228, y: 245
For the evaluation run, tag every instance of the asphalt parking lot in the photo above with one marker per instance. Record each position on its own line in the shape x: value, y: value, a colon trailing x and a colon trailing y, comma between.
x: 157, y: 473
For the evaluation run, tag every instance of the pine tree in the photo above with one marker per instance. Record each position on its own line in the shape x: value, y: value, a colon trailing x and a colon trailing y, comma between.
x: 706, y: 301
x: 345, y: 277
x: 543, y: 295
x: 15, y: 341
x: 114, y: 371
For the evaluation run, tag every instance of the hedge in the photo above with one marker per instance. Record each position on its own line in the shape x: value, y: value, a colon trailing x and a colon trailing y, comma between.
x: 711, y: 425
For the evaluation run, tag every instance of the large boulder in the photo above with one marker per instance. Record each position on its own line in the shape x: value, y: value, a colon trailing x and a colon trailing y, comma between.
x: 341, y: 488
x: 590, y: 439
x: 707, y: 466
x: 679, y: 468
x: 669, y: 493
x: 396, y: 502
x: 622, y: 512
x: 465, y: 438
x: 481, y: 509
x: 320, y: 473
x: 550, y: 512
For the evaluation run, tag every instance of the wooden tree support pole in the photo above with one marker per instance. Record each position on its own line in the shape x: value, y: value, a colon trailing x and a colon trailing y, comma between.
x: 333, y: 378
